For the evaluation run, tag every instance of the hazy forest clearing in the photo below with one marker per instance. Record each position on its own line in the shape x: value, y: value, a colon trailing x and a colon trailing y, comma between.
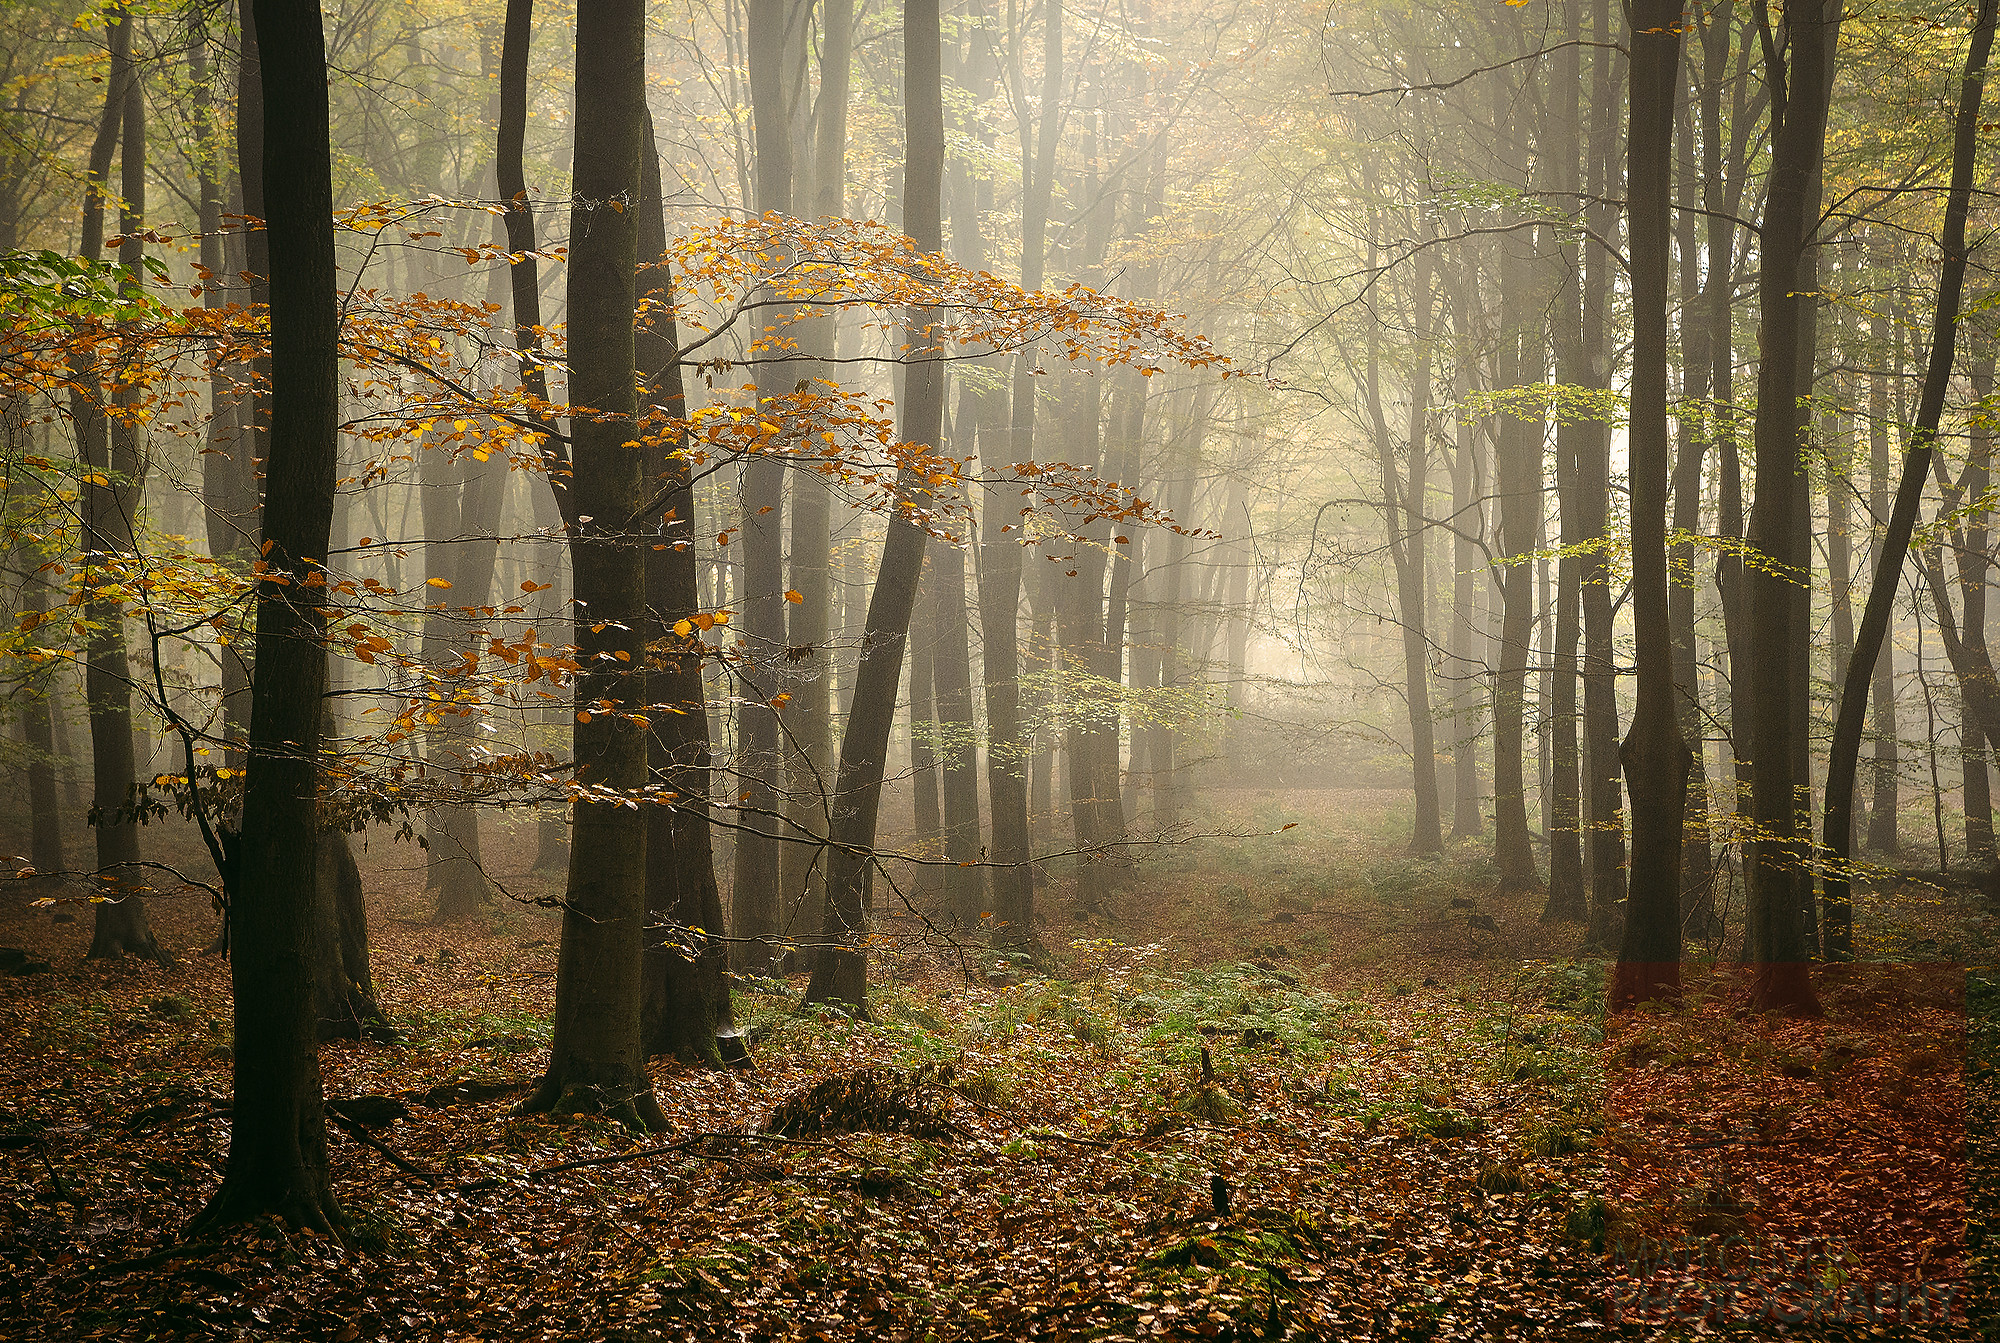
x: 1423, y: 1129
x: 934, y: 669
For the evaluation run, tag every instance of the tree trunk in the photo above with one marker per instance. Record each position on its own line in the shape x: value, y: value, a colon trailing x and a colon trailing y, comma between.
x: 1603, y: 809
x: 1008, y: 748
x: 596, y: 1061
x: 344, y: 1004
x: 1569, y: 901
x: 1775, y: 941
x: 1655, y: 756
x: 685, y: 1008
x: 1402, y: 513
x: 951, y: 671
x: 277, y: 1146
x: 1884, y: 765
x: 113, y: 492
x: 755, y: 898
x: 1518, y: 480
x: 840, y: 968
x: 1468, y: 821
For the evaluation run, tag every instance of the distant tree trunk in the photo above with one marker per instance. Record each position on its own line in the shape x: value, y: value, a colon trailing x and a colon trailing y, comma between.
x: 810, y: 709
x: 277, y: 1146
x: 1696, y: 424
x: 45, y: 811
x: 253, y: 411
x: 1655, y: 756
x: 1467, y: 820
x: 951, y: 670
x: 553, y: 509
x: 344, y: 1003
x: 1974, y: 557
x: 927, y: 810
x: 840, y: 967
x: 1603, y: 810
x: 755, y: 902
x: 112, y: 496
x: 1518, y: 480
x: 1775, y: 941
x: 1884, y: 767
x: 1403, y: 516
x: 597, y: 1063
x: 1569, y: 901
x: 1008, y: 748
x: 685, y: 1008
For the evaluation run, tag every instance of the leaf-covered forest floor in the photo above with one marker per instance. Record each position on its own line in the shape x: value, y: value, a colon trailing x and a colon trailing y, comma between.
x: 1423, y: 1126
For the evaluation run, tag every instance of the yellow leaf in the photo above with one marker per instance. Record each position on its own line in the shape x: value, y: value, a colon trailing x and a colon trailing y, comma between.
x: 683, y: 628
x: 794, y: 597
x: 438, y: 582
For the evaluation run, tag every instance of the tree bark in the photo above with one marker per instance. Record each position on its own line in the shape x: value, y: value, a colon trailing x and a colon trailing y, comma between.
x: 1655, y: 756
x: 596, y: 1061
x: 685, y: 1008
x: 1008, y: 748
x: 840, y: 967
x: 755, y: 898
x: 1775, y: 942
x: 113, y: 492
x: 277, y: 1146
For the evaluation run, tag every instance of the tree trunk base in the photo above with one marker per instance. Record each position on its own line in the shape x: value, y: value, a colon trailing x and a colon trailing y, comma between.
x: 1785, y: 988
x: 124, y: 932
x: 631, y: 1103
x: 1635, y: 982
x: 301, y: 1204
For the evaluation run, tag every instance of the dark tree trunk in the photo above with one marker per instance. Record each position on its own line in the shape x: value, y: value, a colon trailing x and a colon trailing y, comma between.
x: 1775, y: 940
x: 277, y: 1145
x: 840, y: 967
x: 344, y: 1004
x: 596, y: 1061
x: 1655, y: 756
x: 685, y: 1008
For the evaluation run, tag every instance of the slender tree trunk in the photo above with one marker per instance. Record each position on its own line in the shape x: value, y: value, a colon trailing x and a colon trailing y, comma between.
x: 1690, y: 462
x: 1655, y: 756
x: 1885, y: 767
x: 1569, y: 901
x: 1972, y: 551
x: 1008, y: 747
x: 951, y: 670
x: 1467, y: 820
x: 809, y: 713
x: 755, y: 899
x: 840, y: 969
x: 1518, y: 479
x: 1402, y: 513
x: 112, y: 497
x: 597, y: 1063
x: 277, y: 1145
x: 685, y: 1008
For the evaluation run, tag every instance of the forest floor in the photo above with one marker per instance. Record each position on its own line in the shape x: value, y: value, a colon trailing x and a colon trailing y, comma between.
x: 1425, y: 1125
